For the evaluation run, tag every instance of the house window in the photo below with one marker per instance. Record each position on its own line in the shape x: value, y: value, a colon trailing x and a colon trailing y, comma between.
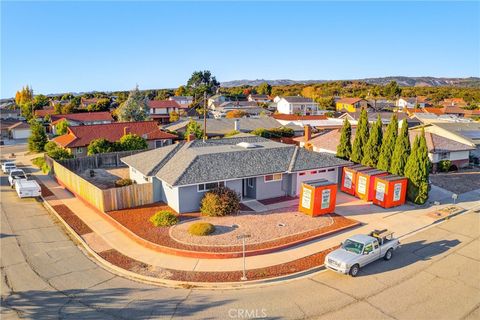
x: 301, y: 173
x: 273, y: 177
x: 79, y: 150
x: 444, y: 155
x: 210, y: 186
x: 332, y: 169
x: 250, y: 182
x: 313, y: 172
x: 158, y: 143
x: 321, y: 171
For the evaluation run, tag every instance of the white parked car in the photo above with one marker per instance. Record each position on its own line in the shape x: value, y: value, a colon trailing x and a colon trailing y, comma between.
x: 360, y: 250
x: 7, y: 166
x: 16, y: 174
x: 27, y: 188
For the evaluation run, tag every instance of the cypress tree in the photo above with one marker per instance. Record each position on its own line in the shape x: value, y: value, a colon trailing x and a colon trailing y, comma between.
x: 374, y: 143
x: 417, y: 171
x: 344, y: 148
x: 388, y: 145
x: 361, y: 137
x: 401, y: 151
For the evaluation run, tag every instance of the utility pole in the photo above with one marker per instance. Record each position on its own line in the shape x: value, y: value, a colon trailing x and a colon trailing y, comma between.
x: 204, y: 116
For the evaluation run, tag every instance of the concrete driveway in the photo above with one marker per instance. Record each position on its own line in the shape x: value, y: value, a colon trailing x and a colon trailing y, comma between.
x: 435, y: 275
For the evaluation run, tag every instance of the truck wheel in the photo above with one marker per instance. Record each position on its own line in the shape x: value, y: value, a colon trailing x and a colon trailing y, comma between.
x: 354, y: 270
x: 388, y: 254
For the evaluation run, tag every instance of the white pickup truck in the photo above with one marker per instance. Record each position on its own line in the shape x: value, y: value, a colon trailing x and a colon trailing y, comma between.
x: 7, y: 166
x: 16, y: 174
x: 360, y: 250
x: 27, y: 188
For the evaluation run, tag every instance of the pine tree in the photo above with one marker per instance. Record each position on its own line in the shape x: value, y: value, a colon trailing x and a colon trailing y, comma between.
x: 401, y: 151
x: 38, y: 139
x: 374, y: 143
x: 134, y: 108
x: 344, y: 148
x: 417, y: 171
x: 388, y: 145
x: 361, y: 137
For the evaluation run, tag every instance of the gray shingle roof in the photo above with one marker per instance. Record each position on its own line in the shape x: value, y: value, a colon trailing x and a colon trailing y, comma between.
x: 222, y: 159
x: 298, y: 99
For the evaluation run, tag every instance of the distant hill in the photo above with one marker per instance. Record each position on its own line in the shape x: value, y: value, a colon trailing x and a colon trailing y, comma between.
x: 402, y: 81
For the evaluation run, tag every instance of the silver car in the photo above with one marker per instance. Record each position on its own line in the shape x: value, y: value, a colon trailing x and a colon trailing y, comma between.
x: 360, y: 250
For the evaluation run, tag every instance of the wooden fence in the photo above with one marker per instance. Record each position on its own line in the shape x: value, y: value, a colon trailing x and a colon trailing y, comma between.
x: 104, y: 200
x: 101, y: 160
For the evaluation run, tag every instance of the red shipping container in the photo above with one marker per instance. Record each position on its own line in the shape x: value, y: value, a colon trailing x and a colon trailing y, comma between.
x: 349, y: 177
x: 364, y: 188
x: 390, y: 191
x: 318, y: 197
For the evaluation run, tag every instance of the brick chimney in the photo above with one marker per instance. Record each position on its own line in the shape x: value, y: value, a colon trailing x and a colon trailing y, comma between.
x: 307, y: 133
x: 190, y: 137
x: 126, y: 130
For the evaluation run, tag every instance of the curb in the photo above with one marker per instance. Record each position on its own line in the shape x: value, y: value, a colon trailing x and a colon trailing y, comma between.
x: 173, y: 283
x: 202, y: 254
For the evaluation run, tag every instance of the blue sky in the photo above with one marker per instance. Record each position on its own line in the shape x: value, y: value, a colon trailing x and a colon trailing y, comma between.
x: 82, y: 46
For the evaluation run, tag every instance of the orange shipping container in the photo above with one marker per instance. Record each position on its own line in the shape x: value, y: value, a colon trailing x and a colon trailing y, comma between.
x: 364, y: 188
x: 318, y: 197
x: 349, y: 178
x: 390, y: 191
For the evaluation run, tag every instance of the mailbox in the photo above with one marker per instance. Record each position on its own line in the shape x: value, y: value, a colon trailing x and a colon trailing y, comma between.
x: 364, y: 187
x: 349, y: 177
x: 318, y: 197
x: 390, y: 191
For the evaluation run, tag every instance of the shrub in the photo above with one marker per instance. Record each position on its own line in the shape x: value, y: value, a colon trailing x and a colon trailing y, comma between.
x: 201, y: 229
x: 164, y: 219
x: 38, y: 162
x: 220, y: 202
x: 445, y: 165
x: 123, y: 182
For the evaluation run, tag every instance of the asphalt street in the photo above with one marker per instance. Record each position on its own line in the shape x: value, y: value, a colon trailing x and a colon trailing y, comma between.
x: 45, y: 275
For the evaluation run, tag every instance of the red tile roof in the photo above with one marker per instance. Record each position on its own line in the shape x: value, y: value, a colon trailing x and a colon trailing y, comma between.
x: 436, y: 111
x: 89, y: 101
x: 83, y: 117
x: 44, y: 112
x: 164, y: 104
x: 293, y: 117
x: 81, y: 136
x: 349, y: 100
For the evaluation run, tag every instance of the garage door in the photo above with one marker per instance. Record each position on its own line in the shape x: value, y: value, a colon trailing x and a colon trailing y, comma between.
x: 21, y: 133
x: 329, y: 174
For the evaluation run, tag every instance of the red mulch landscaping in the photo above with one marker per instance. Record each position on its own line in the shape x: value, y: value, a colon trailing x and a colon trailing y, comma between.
x: 45, y: 191
x: 302, y: 264
x: 136, y: 220
x: 276, y: 200
x: 73, y: 221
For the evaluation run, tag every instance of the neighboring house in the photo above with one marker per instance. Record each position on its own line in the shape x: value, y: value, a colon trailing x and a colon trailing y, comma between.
x: 350, y: 104
x: 254, y: 167
x: 426, y: 118
x: 259, y: 98
x: 381, y: 104
x: 183, y: 101
x: 78, y: 138
x: 249, y: 107
x: 320, y: 122
x: 325, y: 141
x: 4, y: 125
x: 10, y: 114
x: 80, y: 119
x: 297, y: 106
x: 453, y: 102
x: 220, y: 127
x: 441, y: 148
x: 160, y: 109
x: 412, y: 102
x: 384, y: 116
x: 217, y: 99
x: 463, y: 132
x: 19, y: 130
x: 41, y: 114
x: 85, y: 102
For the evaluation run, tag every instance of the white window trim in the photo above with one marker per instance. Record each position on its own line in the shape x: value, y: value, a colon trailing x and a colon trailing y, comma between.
x: 273, y: 177
x: 80, y: 150
x: 205, y: 186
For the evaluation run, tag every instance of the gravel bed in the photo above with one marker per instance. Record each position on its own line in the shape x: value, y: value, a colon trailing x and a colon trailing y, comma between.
x: 72, y: 220
x: 261, y: 227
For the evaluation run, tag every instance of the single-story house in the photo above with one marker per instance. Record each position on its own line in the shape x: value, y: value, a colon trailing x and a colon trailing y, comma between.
x: 220, y: 110
x: 412, y: 102
x: 256, y: 168
x: 259, y: 98
x: 7, y: 113
x: 297, y: 105
x: 350, y: 104
x: 160, y: 109
x: 78, y: 138
x: 384, y: 116
x: 320, y: 122
x: 4, y: 127
x: 19, y: 130
x: 85, y: 102
x: 80, y: 119
x: 222, y: 126
x: 41, y: 114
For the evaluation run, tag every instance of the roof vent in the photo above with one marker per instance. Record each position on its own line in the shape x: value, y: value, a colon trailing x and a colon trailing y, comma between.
x: 247, y: 145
